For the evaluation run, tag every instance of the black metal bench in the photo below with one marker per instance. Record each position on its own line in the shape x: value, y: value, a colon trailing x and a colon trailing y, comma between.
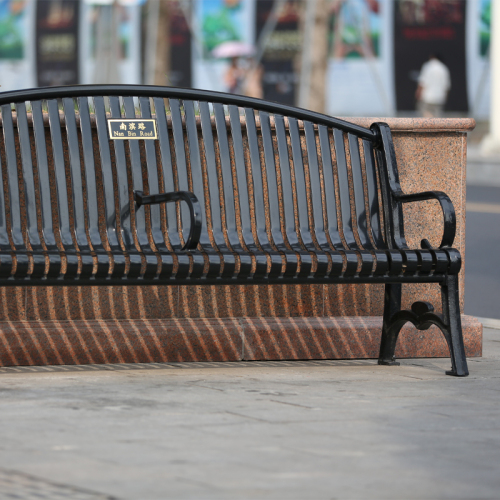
x: 283, y: 196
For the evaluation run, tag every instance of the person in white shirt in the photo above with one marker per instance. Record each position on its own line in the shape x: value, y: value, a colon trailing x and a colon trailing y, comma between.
x: 433, y: 86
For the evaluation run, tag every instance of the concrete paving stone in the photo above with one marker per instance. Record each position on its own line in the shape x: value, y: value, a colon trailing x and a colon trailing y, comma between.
x: 15, y: 485
x: 324, y: 430
x: 482, y: 170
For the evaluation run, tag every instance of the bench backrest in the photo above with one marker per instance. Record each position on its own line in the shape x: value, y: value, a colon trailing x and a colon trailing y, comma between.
x: 267, y: 175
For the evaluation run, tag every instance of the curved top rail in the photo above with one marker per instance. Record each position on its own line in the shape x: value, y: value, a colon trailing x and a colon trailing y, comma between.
x: 182, y: 93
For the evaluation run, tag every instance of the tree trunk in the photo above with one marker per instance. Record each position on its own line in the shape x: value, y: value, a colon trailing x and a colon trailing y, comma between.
x: 319, y: 58
x: 162, y: 63
x: 107, y: 59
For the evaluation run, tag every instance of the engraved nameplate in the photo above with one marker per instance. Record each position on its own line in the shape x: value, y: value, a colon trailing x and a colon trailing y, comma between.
x: 132, y: 129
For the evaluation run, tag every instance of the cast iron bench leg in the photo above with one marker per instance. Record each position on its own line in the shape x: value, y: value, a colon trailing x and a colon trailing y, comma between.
x: 451, y: 317
x: 422, y: 316
x: 392, y: 305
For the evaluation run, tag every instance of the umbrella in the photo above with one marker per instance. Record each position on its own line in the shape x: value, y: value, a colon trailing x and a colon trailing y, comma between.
x: 233, y: 49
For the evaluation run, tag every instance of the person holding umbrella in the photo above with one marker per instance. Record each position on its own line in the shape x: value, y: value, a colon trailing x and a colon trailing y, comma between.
x: 235, y: 74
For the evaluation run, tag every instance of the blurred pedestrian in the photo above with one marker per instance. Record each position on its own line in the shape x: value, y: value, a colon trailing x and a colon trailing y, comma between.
x: 252, y: 84
x: 433, y: 86
x: 233, y: 77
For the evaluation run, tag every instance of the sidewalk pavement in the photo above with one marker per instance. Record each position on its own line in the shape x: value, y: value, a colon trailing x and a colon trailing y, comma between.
x: 274, y: 430
x: 482, y: 170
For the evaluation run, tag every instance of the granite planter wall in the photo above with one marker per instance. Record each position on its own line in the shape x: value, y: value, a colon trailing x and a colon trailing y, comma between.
x: 63, y: 325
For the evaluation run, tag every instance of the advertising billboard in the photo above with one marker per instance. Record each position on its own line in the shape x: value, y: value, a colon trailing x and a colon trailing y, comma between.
x: 422, y: 28
x: 57, y: 23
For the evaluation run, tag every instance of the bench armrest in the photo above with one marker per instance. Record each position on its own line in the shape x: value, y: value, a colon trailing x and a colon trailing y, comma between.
x: 448, y: 213
x: 194, y: 210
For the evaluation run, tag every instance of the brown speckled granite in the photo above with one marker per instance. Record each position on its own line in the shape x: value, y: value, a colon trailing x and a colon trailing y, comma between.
x: 223, y: 339
x: 65, y: 325
x: 119, y: 341
x: 345, y: 338
x: 417, y: 124
x: 249, y: 301
x: 13, y: 304
x: 117, y: 302
x: 349, y: 300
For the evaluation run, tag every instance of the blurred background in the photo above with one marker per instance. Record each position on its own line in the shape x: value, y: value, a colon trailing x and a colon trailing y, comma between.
x: 342, y: 57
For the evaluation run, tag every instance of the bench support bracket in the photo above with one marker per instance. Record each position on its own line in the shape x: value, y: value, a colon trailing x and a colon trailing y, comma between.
x: 422, y: 316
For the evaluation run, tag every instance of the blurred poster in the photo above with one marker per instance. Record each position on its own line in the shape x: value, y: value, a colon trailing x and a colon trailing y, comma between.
x: 484, y: 27
x: 213, y: 23
x: 280, y: 79
x: 355, y: 27
x: 180, y: 48
x: 12, y: 26
x: 424, y: 27
x: 57, y: 24
x: 221, y: 21
x: 478, y: 36
x: 16, y: 44
x: 360, y: 65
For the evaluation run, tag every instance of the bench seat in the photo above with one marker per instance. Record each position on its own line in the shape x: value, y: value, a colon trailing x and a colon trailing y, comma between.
x: 213, y: 267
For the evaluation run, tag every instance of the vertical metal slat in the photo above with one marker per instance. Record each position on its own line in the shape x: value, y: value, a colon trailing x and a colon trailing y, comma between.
x: 242, y: 187
x: 103, y: 261
x: 182, y: 176
x: 54, y: 269
x: 291, y: 261
x: 214, y: 261
x: 109, y: 198
x: 168, y: 185
x: 228, y: 190
x: 6, y: 261
x: 63, y: 213
x: 77, y: 188
x: 345, y: 200
x: 29, y: 188
x: 306, y: 261
x: 258, y: 191
x: 15, y: 202
x: 317, y: 203
x: 123, y: 196
x: 331, y: 203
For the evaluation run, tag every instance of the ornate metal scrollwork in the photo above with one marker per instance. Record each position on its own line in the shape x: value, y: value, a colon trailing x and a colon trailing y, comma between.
x: 422, y: 316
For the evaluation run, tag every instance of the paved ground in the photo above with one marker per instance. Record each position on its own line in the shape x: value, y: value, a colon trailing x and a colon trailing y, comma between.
x: 482, y: 244
x: 482, y: 275
x: 482, y: 170
x: 322, y: 430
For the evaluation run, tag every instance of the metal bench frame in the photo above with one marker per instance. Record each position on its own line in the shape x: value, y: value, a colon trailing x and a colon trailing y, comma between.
x: 328, y: 211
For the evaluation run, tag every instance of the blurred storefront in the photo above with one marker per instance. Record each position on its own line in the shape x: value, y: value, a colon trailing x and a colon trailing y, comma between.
x: 375, y: 47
